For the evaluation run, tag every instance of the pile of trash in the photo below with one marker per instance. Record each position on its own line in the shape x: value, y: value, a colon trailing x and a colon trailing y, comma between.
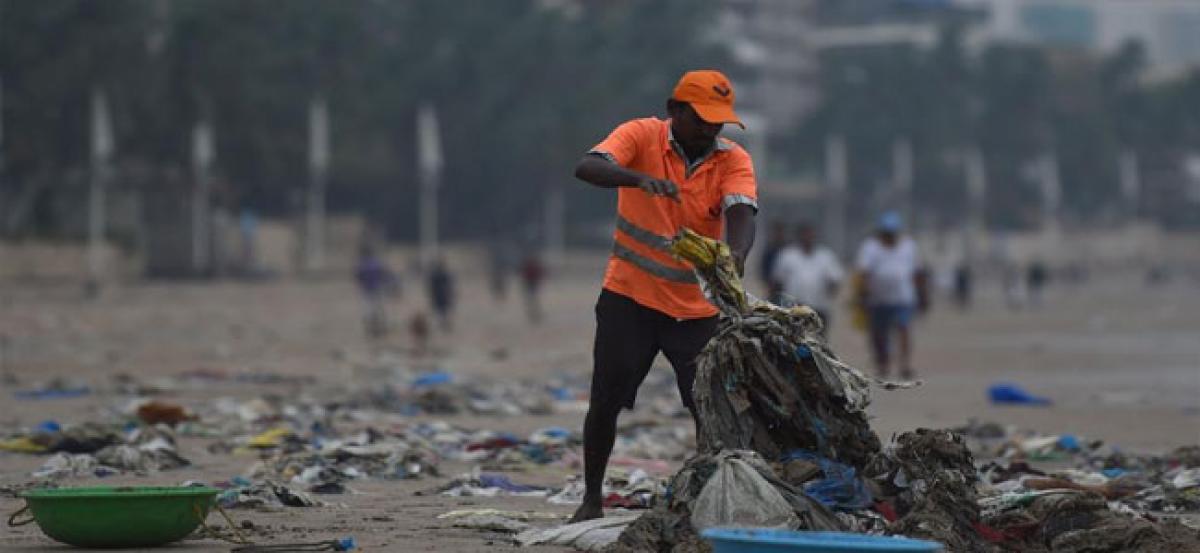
x: 767, y: 381
x: 926, y: 482
x: 785, y: 444
x: 767, y: 389
x: 94, y: 449
x: 264, y: 495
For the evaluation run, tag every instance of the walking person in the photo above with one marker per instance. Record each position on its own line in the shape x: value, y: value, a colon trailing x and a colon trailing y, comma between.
x: 809, y: 274
x: 376, y: 283
x: 533, y: 272
x: 887, y: 270
x: 669, y: 174
x: 776, y: 241
x: 442, y: 294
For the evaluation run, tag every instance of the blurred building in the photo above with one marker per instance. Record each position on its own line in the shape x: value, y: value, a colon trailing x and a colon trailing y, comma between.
x: 777, y: 71
x: 1169, y: 30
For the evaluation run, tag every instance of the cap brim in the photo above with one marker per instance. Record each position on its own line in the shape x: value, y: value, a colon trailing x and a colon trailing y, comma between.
x: 717, y: 114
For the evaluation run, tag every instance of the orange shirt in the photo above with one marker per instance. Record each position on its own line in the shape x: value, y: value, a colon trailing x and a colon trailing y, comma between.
x: 640, y: 266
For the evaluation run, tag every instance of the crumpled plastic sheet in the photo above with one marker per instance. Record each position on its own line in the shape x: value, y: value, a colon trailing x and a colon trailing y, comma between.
x: 589, y: 535
x: 668, y: 526
x: 839, y: 487
x: 737, y: 495
x: 265, y: 495
x: 479, y: 484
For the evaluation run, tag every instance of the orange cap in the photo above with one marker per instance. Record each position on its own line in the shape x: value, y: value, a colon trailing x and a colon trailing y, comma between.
x: 710, y: 94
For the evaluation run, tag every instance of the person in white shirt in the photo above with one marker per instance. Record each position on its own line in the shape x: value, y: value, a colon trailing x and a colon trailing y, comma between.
x: 888, y: 287
x: 808, y: 274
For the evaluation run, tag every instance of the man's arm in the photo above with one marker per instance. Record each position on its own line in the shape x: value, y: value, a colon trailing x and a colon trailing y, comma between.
x: 739, y: 233
x: 598, y: 171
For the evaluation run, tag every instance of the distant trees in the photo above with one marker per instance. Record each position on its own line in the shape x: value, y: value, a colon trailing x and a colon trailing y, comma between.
x: 1014, y: 103
x: 522, y: 87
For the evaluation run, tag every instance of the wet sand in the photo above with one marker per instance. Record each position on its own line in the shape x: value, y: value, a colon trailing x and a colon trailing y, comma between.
x: 1121, y: 363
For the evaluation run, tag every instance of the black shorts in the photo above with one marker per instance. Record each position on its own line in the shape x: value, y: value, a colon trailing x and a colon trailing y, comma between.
x: 628, y: 338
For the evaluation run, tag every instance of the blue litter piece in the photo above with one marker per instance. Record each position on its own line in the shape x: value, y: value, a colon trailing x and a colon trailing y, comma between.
x: 840, y: 488
x: 1113, y: 472
x: 1069, y: 442
x: 432, y: 379
x: 557, y: 432
x: 803, y: 352
x: 345, y: 544
x: 48, y: 427
x: 63, y: 393
x: 764, y: 540
x: 1012, y: 394
x: 504, y: 483
x: 562, y: 394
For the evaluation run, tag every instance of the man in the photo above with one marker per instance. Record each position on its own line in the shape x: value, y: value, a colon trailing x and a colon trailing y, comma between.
x: 442, y: 293
x: 375, y: 281
x: 808, y: 274
x: 1035, y: 281
x: 669, y: 174
x: 888, y: 282
x: 776, y: 241
x: 533, y: 272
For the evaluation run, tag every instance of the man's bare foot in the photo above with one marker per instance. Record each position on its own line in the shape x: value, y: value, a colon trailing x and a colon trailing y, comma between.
x: 588, y: 510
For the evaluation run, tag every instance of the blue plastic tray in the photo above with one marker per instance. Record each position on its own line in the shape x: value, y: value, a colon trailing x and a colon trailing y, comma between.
x: 754, y: 540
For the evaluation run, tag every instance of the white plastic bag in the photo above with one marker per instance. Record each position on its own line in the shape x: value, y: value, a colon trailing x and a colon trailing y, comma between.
x: 736, y: 495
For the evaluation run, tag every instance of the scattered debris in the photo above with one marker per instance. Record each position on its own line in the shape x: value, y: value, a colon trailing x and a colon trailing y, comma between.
x: 589, y: 535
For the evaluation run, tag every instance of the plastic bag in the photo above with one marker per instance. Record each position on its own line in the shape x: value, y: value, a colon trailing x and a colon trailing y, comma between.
x: 737, y: 496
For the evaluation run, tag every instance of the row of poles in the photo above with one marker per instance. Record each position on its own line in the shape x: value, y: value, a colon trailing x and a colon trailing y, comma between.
x: 430, y: 164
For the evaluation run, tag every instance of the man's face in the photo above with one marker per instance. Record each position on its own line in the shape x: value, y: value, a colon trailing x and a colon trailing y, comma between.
x: 692, y: 132
x: 807, y: 236
x: 888, y: 237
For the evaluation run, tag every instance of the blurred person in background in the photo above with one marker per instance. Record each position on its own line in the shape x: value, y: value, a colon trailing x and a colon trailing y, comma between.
x: 669, y: 174
x: 1036, y: 277
x: 501, y: 262
x: 808, y: 273
x: 887, y: 282
x: 376, y: 282
x: 776, y: 240
x: 963, y: 287
x: 442, y: 294
x: 533, y: 272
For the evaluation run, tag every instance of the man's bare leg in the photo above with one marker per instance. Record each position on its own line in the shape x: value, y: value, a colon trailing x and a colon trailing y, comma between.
x: 906, y: 371
x: 599, y: 434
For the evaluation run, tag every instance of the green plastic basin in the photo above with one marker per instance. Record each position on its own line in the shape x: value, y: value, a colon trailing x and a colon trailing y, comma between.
x: 119, y: 516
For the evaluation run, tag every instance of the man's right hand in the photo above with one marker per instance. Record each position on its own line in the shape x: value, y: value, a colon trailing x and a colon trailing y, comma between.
x: 659, y: 187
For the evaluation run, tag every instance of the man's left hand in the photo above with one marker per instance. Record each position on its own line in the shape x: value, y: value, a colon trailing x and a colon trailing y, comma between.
x: 740, y: 262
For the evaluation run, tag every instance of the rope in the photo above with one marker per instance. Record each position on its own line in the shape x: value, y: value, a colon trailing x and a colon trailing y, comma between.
x: 238, y: 537
x: 12, y: 519
x: 246, y: 546
x: 331, y: 545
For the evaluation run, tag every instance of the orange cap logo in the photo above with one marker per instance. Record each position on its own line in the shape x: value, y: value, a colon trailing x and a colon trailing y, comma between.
x: 710, y: 94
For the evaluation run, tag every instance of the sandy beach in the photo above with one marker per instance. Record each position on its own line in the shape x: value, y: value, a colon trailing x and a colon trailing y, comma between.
x: 1120, y: 361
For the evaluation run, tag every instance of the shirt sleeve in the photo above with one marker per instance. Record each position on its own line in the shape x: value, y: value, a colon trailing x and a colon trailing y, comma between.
x: 864, y: 259
x: 833, y: 269
x: 783, y: 261
x: 624, y: 142
x: 738, y: 185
